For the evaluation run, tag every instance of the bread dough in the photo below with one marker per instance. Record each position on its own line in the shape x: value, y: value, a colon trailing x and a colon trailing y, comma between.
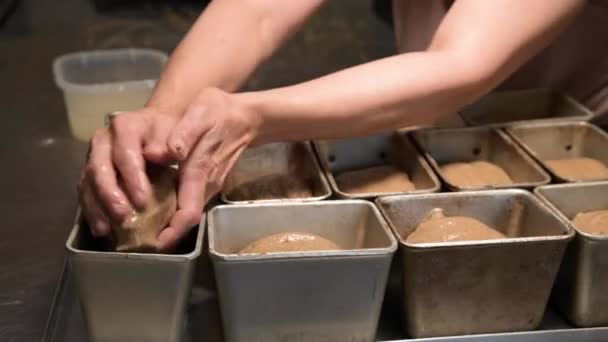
x: 139, y: 231
x: 592, y: 222
x: 290, y: 242
x: 475, y: 174
x: 272, y: 187
x: 435, y: 227
x: 376, y: 179
x: 578, y: 168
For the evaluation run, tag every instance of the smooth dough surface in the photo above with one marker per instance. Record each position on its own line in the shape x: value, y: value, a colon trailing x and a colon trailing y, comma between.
x: 375, y: 179
x: 578, y: 168
x: 436, y: 227
x: 592, y: 222
x: 477, y: 173
x: 290, y: 242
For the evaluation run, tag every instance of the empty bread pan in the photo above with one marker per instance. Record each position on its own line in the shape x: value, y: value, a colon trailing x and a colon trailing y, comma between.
x: 529, y: 105
x: 342, y: 155
x: 443, y: 146
x: 301, y: 296
x: 474, y: 287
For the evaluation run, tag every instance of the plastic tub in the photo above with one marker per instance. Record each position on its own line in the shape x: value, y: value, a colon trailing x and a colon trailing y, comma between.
x: 98, y: 82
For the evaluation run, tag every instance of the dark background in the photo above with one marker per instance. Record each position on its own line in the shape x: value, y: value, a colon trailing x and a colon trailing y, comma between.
x: 41, y: 162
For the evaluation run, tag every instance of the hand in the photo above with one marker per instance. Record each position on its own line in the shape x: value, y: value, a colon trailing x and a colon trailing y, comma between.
x: 207, y: 141
x: 121, y: 151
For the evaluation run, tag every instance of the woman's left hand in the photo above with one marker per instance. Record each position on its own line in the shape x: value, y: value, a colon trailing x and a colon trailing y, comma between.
x: 207, y: 141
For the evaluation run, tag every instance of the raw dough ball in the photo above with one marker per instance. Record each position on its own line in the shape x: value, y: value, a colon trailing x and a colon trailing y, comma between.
x: 376, y: 179
x: 272, y: 187
x: 578, y: 168
x: 475, y: 174
x: 592, y: 222
x: 139, y: 232
x: 437, y: 228
x: 290, y: 242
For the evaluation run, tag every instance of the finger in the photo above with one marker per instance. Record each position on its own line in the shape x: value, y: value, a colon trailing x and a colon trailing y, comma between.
x: 155, y: 148
x: 96, y: 218
x: 180, y: 225
x: 194, y: 174
x: 100, y: 171
x: 128, y: 159
x: 216, y: 186
x: 188, y: 131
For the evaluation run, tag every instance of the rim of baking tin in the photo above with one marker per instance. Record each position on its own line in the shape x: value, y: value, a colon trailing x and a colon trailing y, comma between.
x: 371, y: 195
x: 539, y: 193
x: 546, y: 178
x: 134, y: 256
x: 511, y: 131
x: 327, y: 191
x: 62, y: 83
x: 568, y: 231
x: 586, y: 113
x: 292, y: 256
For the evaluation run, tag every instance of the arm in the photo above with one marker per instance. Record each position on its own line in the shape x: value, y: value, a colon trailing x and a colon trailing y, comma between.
x: 225, y: 45
x: 221, y: 50
x: 478, y: 44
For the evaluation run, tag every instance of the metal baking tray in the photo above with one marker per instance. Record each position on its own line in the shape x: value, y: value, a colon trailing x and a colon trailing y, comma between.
x: 301, y: 296
x: 531, y: 105
x: 66, y: 323
x: 450, y: 121
x: 442, y: 146
x: 580, y: 291
x: 562, y: 140
x: 355, y: 153
x: 132, y: 296
x: 284, y: 159
x: 474, y: 287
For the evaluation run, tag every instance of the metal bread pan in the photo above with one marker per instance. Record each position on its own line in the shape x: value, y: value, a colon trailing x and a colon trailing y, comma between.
x: 301, y: 296
x: 341, y: 155
x: 580, y: 291
x: 474, y: 287
x: 530, y: 105
x: 132, y: 296
x: 268, y: 167
x: 443, y: 146
x: 562, y: 140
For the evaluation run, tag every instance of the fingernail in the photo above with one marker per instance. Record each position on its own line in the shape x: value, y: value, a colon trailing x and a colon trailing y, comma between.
x: 101, y: 228
x: 141, y: 199
x: 165, y: 238
x: 179, y: 150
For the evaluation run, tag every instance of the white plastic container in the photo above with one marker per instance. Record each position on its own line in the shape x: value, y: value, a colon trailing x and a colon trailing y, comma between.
x: 98, y: 82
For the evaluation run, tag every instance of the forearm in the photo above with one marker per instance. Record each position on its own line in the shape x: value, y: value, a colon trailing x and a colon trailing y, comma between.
x: 224, y: 47
x: 384, y: 95
x: 478, y: 44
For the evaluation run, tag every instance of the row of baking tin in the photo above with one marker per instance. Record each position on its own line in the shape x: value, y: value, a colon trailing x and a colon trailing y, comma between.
x: 518, y: 149
x: 446, y: 289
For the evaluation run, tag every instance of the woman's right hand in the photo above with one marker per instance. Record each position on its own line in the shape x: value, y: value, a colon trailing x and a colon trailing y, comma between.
x: 120, y: 151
